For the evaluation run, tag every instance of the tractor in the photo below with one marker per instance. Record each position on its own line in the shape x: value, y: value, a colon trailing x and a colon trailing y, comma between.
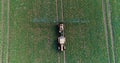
x: 61, y: 38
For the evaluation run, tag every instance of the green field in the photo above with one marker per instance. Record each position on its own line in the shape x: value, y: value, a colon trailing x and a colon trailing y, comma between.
x: 28, y: 31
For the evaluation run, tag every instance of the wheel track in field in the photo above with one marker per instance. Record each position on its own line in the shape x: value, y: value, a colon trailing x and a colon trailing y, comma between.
x: 64, y: 55
x: 111, y: 30
x: 58, y: 57
x: 106, y: 30
x: 8, y: 32
x: 2, y: 19
x: 62, y: 11
x: 57, y: 23
x: 108, y: 12
x: 57, y: 10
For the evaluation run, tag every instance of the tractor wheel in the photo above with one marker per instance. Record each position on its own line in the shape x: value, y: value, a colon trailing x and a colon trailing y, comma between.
x: 64, y: 47
x: 58, y: 48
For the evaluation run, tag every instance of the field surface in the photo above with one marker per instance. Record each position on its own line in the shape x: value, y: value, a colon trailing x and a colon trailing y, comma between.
x: 28, y: 31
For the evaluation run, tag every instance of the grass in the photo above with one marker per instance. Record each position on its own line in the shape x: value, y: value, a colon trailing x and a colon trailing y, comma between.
x: 30, y: 40
x: 33, y: 35
x: 85, y: 40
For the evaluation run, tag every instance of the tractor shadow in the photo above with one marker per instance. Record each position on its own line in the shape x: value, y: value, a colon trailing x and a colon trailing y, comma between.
x: 57, y: 34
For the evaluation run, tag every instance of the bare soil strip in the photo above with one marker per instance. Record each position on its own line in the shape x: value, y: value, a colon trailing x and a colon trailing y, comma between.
x: 8, y: 32
x: 2, y: 41
x: 111, y: 30
x: 106, y: 30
